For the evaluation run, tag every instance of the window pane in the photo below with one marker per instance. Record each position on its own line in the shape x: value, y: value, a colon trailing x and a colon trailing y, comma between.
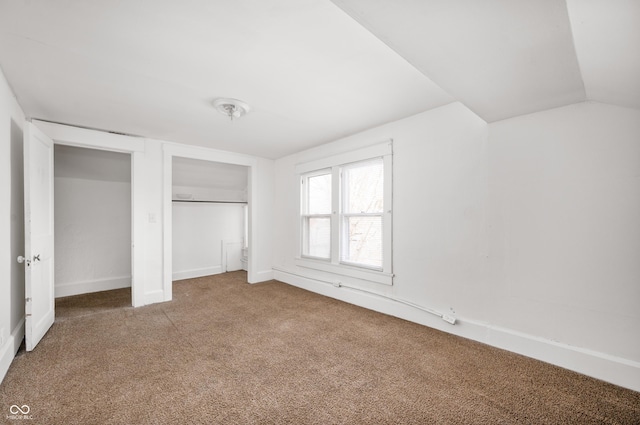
x: 319, y: 193
x: 317, y: 237
x: 362, y: 241
x: 363, y: 187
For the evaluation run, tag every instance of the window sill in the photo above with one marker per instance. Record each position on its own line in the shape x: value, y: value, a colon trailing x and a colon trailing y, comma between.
x: 344, y: 270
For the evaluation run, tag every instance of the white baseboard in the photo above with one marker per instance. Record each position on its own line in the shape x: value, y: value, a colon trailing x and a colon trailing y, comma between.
x: 190, y: 274
x: 76, y: 288
x: 262, y: 276
x: 616, y: 370
x: 10, y: 347
x: 153, y: 297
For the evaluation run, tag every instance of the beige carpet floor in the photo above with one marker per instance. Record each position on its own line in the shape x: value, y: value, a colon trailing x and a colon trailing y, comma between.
x: 225, y: 352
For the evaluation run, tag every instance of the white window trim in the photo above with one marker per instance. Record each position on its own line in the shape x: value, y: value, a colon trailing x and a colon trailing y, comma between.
x: 304, y: 214
x: 346, y: 270
x: 334, y: 265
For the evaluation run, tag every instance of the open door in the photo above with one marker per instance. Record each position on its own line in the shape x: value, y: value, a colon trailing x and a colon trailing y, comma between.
x: 38, y: 210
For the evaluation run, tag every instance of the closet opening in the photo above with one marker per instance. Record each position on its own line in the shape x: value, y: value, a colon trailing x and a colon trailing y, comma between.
x: 209, y: 217
x: 92, y: 220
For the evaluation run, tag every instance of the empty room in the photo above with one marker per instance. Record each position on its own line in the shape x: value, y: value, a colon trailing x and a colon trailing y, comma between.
x: 320, y: 212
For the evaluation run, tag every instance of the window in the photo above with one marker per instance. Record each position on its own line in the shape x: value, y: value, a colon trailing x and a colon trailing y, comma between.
x: 345, y: 214
x: 361, y: 213
x: 316, y: 215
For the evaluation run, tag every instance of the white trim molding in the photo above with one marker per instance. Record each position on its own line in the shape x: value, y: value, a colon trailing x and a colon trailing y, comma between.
x: 193, y: 273
x: 342, y: 270
x: 10, y: 347
x: 96, y: 285
x: 263, y: 276
x: 68, y: 135
x: 616, y: 370
x: 153, y: 297
x: 368, y: 152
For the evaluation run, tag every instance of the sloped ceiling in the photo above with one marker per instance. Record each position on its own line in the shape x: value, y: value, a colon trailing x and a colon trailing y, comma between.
x: 311, y: 72
x: 607, y: 42
x: 504, y: 58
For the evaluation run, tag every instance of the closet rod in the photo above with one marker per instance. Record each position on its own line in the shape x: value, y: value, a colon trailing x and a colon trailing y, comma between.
x: 210, y: 202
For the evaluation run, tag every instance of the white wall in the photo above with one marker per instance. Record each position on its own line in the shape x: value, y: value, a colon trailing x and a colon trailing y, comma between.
x: 565, y: 196
x: 198, y: 232
x: 440, y: 245
x: 92, y: 220
x: 11, y: 226
x: 200, y: 193
x: 526, y: 231
x: 262, y: 224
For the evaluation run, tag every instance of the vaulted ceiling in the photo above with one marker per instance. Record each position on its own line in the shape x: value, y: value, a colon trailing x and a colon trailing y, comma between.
x: 504, y: 58
x: 312, y: 70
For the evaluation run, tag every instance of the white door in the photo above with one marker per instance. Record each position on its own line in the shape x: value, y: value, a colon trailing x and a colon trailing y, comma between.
x: 38, y: 220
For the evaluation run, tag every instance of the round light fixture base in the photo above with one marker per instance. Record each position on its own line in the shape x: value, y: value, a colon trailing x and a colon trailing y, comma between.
x: 232, y: 108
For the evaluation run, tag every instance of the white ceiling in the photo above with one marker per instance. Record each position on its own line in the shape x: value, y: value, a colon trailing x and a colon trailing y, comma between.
x: 607, y: 40
x: 311, y: 72
x: 504, y: 58
x: 152, y: 68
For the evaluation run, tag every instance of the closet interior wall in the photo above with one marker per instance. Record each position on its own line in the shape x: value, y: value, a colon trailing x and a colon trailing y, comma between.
x: 209, y: 202
x: 92, y: 220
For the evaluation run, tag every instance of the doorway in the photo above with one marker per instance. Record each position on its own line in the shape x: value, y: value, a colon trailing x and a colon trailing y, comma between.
x: 209, y: 229
x: 174, y: 150
x: 92, y: 220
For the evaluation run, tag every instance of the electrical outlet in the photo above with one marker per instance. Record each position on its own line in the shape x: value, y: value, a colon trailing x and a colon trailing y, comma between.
x: 449, y: 319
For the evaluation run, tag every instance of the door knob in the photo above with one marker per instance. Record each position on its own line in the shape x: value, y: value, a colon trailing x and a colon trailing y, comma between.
x: 22, y: 259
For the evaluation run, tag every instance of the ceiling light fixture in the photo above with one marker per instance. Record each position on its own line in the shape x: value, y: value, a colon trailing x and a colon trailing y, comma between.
x: 233, y: 108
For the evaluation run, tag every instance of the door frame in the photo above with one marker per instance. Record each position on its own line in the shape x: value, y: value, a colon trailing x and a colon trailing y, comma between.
x: 94, y: 139
x: 171, y: 150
